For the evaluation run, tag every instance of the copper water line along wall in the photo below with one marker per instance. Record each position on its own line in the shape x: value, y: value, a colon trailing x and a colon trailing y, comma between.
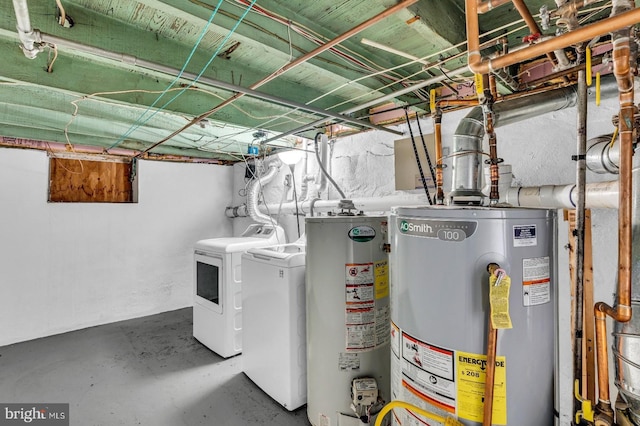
x: 622, y: 311
x: 588, y: 32
x: 304, y: 58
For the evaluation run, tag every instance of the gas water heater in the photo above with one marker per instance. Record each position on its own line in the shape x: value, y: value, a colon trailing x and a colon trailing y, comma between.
x: 347, y: 319
x: 440, y: 312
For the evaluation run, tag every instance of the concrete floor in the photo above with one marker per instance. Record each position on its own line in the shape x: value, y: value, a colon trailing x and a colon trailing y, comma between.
x: 146, y: 371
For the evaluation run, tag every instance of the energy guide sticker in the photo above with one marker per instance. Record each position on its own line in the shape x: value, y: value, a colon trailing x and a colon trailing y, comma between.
x: 525, y: 236
x: 536, y: 281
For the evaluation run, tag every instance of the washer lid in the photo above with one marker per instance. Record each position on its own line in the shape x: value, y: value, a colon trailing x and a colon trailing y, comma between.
x: 232, y: 244
x: 290, y: 255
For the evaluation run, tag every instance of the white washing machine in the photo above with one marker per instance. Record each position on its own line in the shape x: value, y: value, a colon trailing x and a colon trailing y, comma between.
x: 217, y: 307
x: 274, y: 336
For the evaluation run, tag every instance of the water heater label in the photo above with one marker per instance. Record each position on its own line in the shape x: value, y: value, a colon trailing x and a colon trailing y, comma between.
x: 524, y: 236
x: 428, y: 372
x: 446, y: 230
x: 536, y: 281
x: 395, y: 339
x: 348, y: 361
x: 362, y: 233
x: 471, y: 379
x: 366, y: 316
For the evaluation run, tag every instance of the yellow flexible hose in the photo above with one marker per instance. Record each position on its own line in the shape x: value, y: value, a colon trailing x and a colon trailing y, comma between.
x: 447, y: 421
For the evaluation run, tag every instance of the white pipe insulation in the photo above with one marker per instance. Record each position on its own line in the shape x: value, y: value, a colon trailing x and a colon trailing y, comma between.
x: 598, y: 195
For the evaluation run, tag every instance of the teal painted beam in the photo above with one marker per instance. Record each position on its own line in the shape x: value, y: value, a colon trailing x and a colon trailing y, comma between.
x: 94, y: 29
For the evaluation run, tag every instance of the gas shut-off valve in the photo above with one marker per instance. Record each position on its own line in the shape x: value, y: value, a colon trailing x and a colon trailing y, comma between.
x: 364, y: 399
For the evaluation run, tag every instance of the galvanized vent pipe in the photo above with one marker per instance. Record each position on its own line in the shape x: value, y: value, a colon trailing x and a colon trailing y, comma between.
x: 467, y: 141
x: 27, y: 35
x: 602, y: 156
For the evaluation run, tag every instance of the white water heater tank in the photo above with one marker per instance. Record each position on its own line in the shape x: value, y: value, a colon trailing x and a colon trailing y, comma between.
x: 347, y: 313
x: 440, y: 309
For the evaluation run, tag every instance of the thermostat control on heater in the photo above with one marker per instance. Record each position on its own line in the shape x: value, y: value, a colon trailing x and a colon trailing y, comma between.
x: 364, y: 395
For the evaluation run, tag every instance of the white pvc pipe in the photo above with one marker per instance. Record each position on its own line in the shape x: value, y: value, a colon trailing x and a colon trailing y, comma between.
x: 372, y: 204
x: 598, y: 195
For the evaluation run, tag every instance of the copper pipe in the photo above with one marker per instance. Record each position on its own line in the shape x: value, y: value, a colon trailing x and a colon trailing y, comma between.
x: 473, y: 34
x: 621, y: 68
x: 602, y: 356
x: 477, y: 65
x: 532, y: 24
x: 490, y: 373
x: 457, y: 102
x: 437, y: 126
x: 494, y: 195
x: 622, y: 311
x: 304, y: 58
x: 487, y: 5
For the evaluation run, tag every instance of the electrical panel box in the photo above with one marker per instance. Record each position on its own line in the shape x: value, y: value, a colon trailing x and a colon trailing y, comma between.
x: 406, y: 169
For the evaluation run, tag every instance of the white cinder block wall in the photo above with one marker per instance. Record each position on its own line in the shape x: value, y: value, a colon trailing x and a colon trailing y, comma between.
x: 65, y: 266
x: 540, y: 151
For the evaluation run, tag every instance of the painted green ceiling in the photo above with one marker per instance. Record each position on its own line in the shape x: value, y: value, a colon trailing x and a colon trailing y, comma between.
x: 90, y: 99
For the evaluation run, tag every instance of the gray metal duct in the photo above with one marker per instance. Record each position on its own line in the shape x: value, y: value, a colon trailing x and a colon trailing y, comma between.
x: 467, y: 140
x: 466, y: 181
x: 602, y: 157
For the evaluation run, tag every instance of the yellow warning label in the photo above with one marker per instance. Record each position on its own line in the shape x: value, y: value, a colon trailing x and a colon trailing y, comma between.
x: 381, y: 279
x: 499, y: 301
x: 471, y: 370
x: 479, y: 84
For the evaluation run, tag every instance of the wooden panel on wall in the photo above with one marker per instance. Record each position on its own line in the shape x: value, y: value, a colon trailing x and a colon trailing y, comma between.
x: 83, y: 180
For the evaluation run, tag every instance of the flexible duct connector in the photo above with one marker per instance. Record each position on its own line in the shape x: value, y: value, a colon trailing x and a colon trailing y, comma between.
x: 602, y: 157
x: 253, y: 193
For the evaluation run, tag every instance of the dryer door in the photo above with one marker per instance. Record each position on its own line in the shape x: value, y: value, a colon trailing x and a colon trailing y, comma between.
x: 208, y: 286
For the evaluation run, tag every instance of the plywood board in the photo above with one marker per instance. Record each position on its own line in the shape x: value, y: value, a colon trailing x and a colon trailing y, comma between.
x: 87, y: 181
